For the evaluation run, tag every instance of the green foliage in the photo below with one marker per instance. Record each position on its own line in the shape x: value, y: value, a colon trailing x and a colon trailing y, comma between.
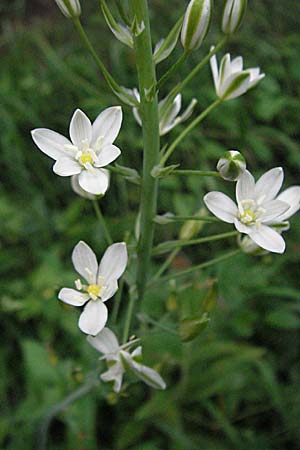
x: 236, y: 384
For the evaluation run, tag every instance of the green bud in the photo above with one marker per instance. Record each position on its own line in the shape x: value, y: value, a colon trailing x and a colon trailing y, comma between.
x: 190, y: 328
x: 69, y: 8
x: 196, y: 23
x: 233, y: 15
x: 231, y: 165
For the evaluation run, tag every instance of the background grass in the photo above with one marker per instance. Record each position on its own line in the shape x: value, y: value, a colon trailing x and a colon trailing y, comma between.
x: 237, y: 385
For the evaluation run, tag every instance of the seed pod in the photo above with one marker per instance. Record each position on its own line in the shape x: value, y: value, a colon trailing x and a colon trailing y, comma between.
x: 233, y: 15
x: 196, y: 23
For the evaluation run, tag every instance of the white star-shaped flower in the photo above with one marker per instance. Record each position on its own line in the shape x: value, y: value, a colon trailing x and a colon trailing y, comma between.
x: 120, y: 360
x: 258, y: 208
x: 230, y: 79
x: 89, y: 150
x: 102, y: 283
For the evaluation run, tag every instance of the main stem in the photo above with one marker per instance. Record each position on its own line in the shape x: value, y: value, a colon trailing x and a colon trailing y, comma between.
x: 150, y: 120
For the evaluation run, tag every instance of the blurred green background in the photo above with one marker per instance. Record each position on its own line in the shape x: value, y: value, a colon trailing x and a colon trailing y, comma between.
x: 237, y: 386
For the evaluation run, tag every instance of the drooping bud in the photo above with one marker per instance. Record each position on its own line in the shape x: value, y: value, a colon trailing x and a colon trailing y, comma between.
x: 196, y: 23
x: 231, y: 165
x: 69, y: 8
x: 233, y: 15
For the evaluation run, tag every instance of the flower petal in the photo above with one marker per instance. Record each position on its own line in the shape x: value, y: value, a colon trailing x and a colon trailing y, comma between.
x: 115, y: 374
x: 274, y: 209
x: 107, y: 154
x: 245, y: 187
x: 85, y: 262
x: 111, y: 289
x: 94, y: 181
x: 50, y: 142
x: 93, y: 318
x: 144, y: 373
x: 292, y: 197
x: 221, y: 206
x: 78, y: 189
x: 214, y: 69
x: 241, y: 227
x: 73, y: 297
x: 113, y: 262
x: 268, y: 185
x: 80, y: 128
x: 108, y: 125
x: 105, y: 341
x: 66, y: 167
x: 267, y: 238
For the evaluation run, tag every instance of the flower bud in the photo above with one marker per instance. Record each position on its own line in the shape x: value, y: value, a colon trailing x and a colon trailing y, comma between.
x: 196, y: 23
x: 231, y: 165
x: 69, y: 8
x: 233, y: 15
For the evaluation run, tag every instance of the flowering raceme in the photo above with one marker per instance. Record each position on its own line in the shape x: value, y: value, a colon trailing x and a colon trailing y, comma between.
x: 89, y: 151
x: 259, y: 210
x: 102, y: 283
x: 230, y: 79
x: 119, y: 360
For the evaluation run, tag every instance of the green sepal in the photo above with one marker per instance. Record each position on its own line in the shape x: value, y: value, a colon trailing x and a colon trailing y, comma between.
x: 165, y: 47
x: 161, y: 172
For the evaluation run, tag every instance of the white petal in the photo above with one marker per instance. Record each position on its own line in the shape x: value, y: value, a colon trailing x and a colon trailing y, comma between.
x: 80, y: 128
x: 241, y: 227
x: 105, y: 341
x: 137, y: 116
x: 269, y: 184
x: 66, y: 167
x: 111, y: 289
x: 237, y: 64
x: 274, y: 209
x: 78, y: 189
x: 245, y: 187
x: 50, y: 142
x: 235, y: 85
x: 73, y: 297
x: 292, y: 197
x: 144, y: 373
x: 214, y: 69
x: 267, y: 238
x: 107, y: 154
x: 85, y: 262
x: 93, y: 318
x: 108, y: 125
x: 115, y: 373
x: 221, y: 206
x: 95, y: 181
x: 114, y: 262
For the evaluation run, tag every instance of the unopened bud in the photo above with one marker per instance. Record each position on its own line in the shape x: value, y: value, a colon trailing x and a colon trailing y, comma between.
x: 196, y: 23
x: 69, y: 8
x: 233, y: 15
x: 231, y: 165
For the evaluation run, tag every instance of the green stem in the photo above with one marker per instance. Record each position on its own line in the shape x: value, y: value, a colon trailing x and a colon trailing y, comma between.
x: 166, y: 264
x: 117, y: 302
x: 170, y: 245
x: 102, y: 222
x: 198, y: 173
x: 150, y: 120
x: 173, y: 69
x: 129, y: 314
x: 189, y: 128
x: 109, y: 79
x: 183, y: 273
x: 122, y: 12
x: 193, y: 73
x: 208, y: 219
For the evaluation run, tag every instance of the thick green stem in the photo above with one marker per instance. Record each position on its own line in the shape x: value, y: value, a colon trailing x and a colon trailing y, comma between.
x: 192, y: 125
x: 150, y: 121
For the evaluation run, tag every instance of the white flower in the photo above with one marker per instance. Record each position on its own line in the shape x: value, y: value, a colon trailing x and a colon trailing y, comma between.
x: 196, y: 23
x: 119, y: 360
x: 258, y: 209
x: 231, y: 165
x: 90, y: 149
x: 69, y: 9
x: 102, y: 283
x: 231, y: 80
x: 168, y: 118
x: 233, y: 15
x: 291, y: 196
x: 81, y: 192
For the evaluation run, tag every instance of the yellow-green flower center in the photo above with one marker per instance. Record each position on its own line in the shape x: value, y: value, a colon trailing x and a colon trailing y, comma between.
x: 248, y: 217
x: 93, y: 289
x: 85, y: 158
